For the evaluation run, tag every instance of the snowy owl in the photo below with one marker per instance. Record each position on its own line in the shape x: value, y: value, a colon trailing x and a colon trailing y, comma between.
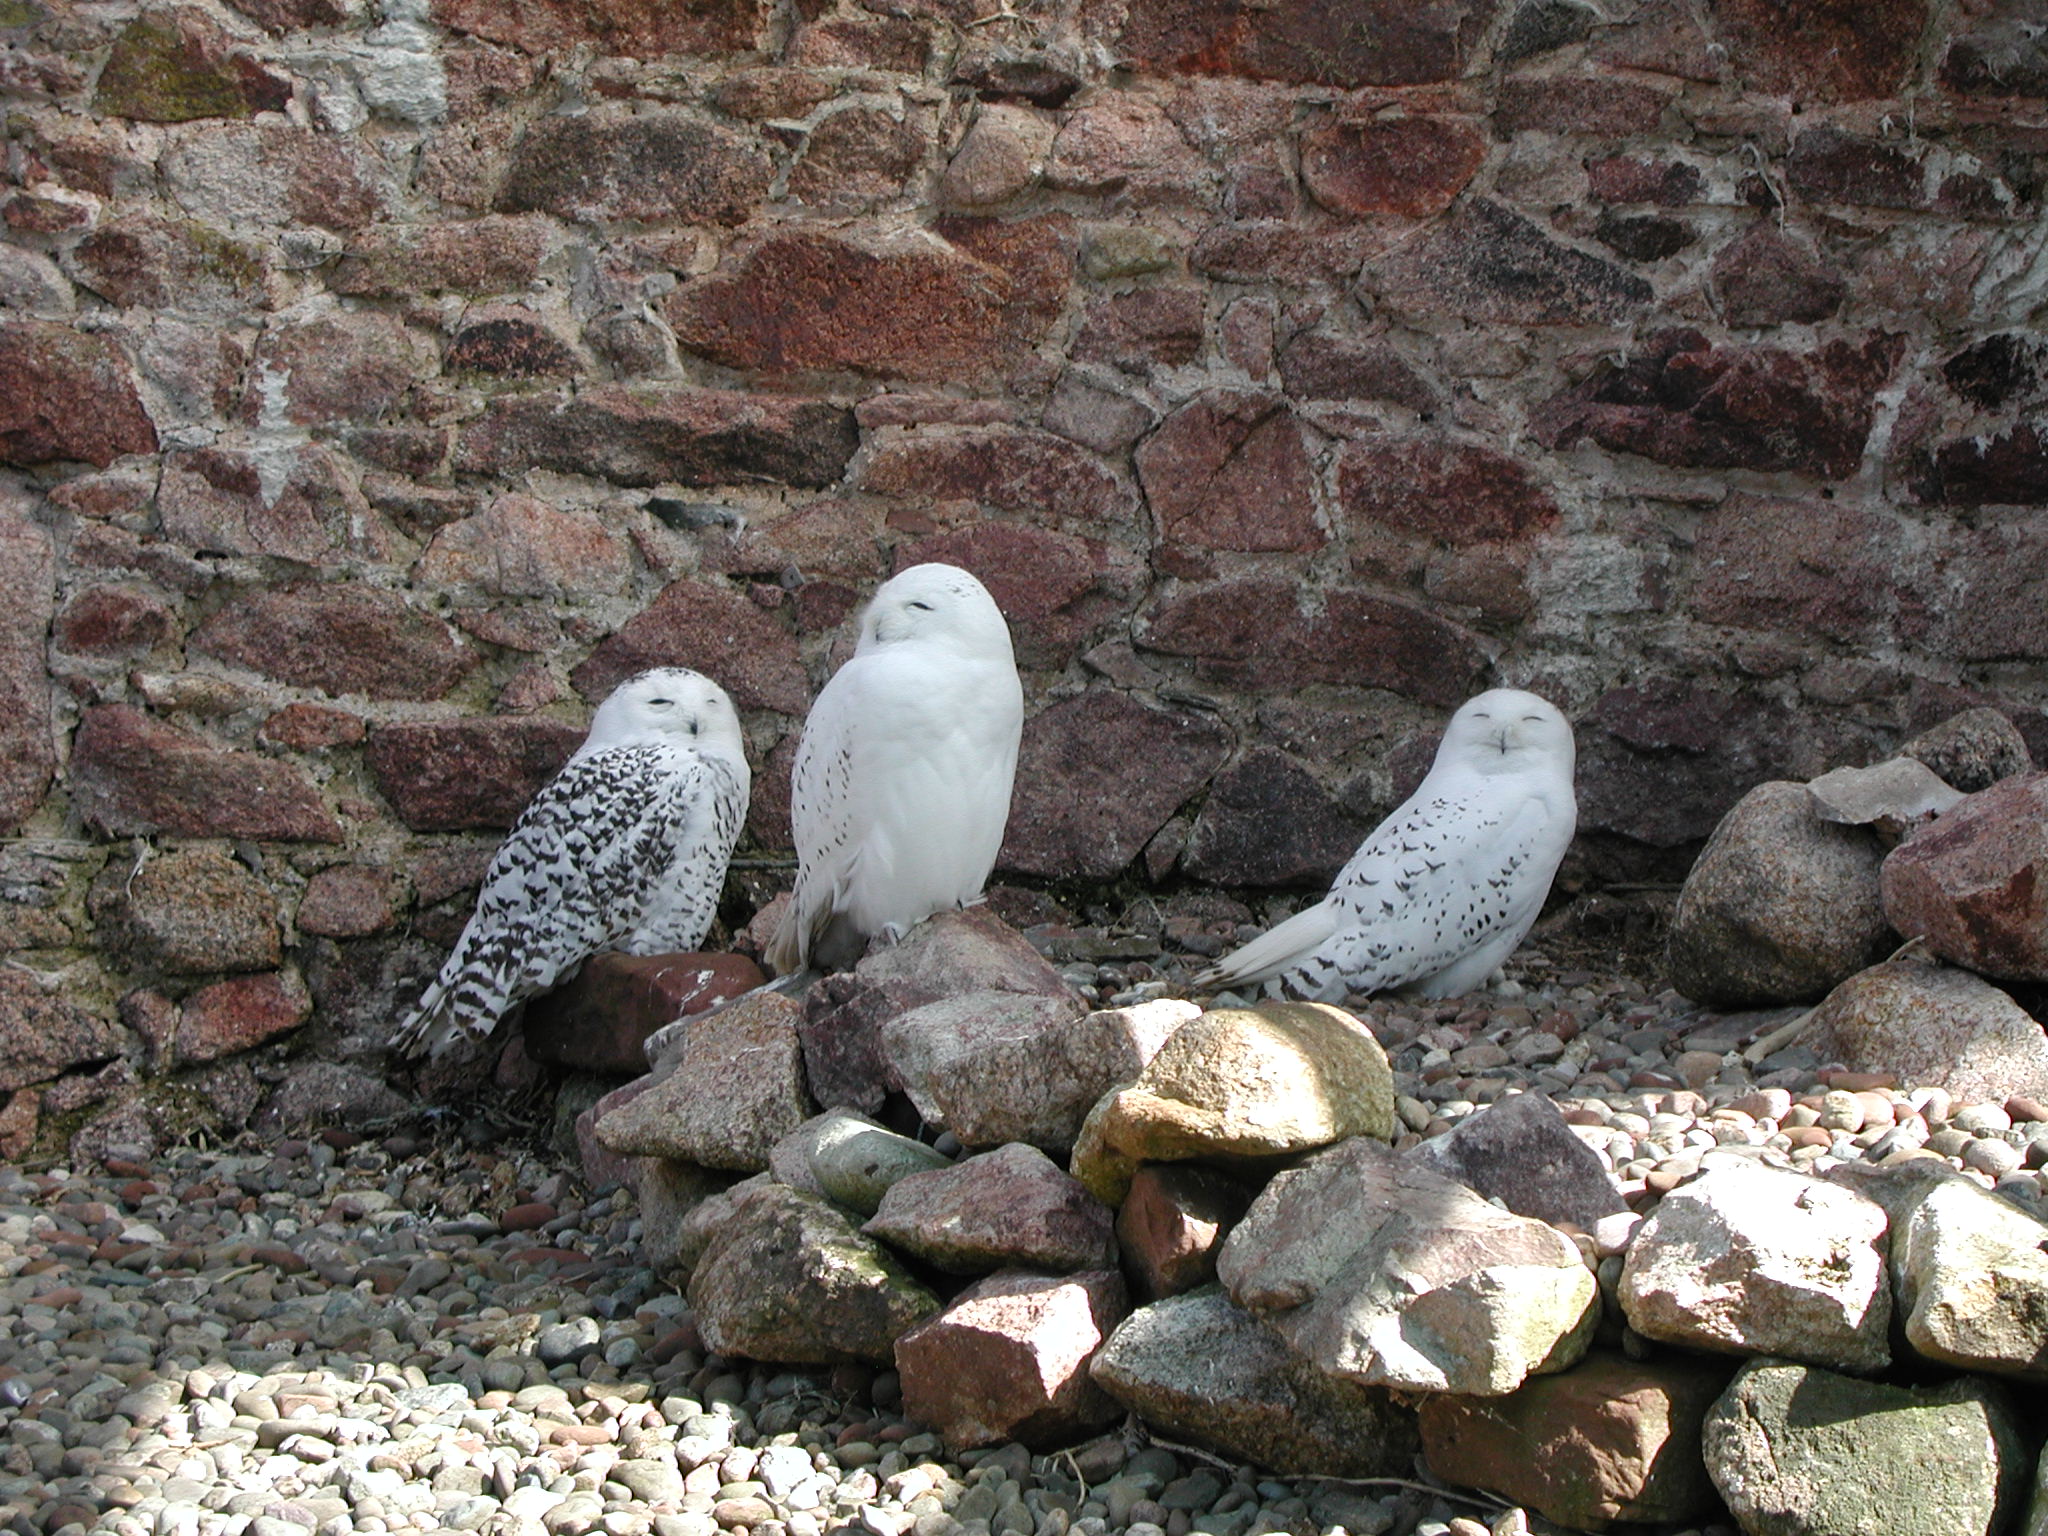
x: 902, y: 779
x: 1448, y: 885
x: 624, y: 849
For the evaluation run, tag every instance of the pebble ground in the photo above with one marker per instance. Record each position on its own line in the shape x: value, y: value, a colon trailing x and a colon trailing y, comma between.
x: 415, y: 1334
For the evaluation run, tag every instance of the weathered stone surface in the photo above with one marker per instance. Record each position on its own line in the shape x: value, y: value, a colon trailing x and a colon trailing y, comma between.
x: 652, y: 434
x: 713, y: 629
x: 641, y: 28
x: 1766, y: 278
x: 667, y: 1192
x: 1143, y: 329
x: 1054, y: 590
x: 1255, y: 632
x: 1385, y: 1273
x: 901, y: 42
x: 351, y: 901
x: 341, y: 639
x: 786, y: 1277
x: 1075, y: 812
x: 112, y: 621
x: 1779, y: 906
x: 1303, y: 43
x: 1200, y: 1367
x: 1519, y: 1151
x: 178, y: 64
x: 1230, y: 470
x: 1688, y: 402
x: 141, y: 261
x: 1319, y: 366
x: 1010, y: 1208
x: 42, y: 1034
x: 1609, y: 1440
x: 1819, y: 52
x: 1750, y: 1260
x: 508, y: 342
x: 67, y: 394
x: 1414, y: 166
x: 1803, y: 566
x: 186, y: 912
x: 803, y: 301
x: 318, y: 1095
x: 1972, y: 1278
x: 1003, y: 154
x: 1171, y: 1223
x: 1486, y: 264
x: 849, y: 1159
x: 1937, y: 1026
x: 448, y: 775
x: 1267, y: 822
x: 1890, y: 795
x: 1992, y: 580
x: 1972, y: 750
x: 998, y: 1066
x: 1011, y: 469
x: 855, y: 157
x: 1008, y: 1360
x: 1460, y: 493
x: 737, y: 1090
x: 1596, y: 105
x: 520, y: 546
x: 1126, y: 144
x: 1794, y: 1448
x: 132, y: 774
x: 495, y: 254
x: 275, y: 173
x: 28, y: 577
x: 605, y: 165
x: 298, y: 504
x: 599, y: 1020
x: 949, y: 954
x: 1266, y: 1081
x: 1974, y: 882
x: 341, y: 367
x: 240, y: 1013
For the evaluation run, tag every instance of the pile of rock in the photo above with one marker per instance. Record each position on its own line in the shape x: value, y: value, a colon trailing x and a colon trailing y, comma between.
x: 1228, y: 1222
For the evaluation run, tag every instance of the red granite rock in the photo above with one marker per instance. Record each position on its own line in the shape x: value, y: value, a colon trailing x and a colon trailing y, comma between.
x: 67, y: 394
x: 1643, y: 179
x: 508, y: 343
x: 1806, y: 567
x: 605, y: 165
x: 856, y: 156
x: 1686, y: 401
x: 1461, y: 493
x: 902, y: 43
x: 351, y: 901
x: 1171, y: 1224
x: 2007, y: 468
x: 341, y: 367
x: 894, y: 306
x: 28, y: 578
x: 43, y: 1034
x: 186, y: 912
x: 20, y: 1117
x: 1080, y: 810
x: 178, y: 64
x: 1002, y: 156
x: 1766, y: 277
x: 1319, y: 366
x: 1054, y: 589
x: 1125, y: 144
x: 1301, y: 42
x: 312, y: 728
x: 1268, y: 250
x: 142, y: 261
x: 275, y: 172
x: 1268, y: 822
x: 714, y: 629
x: 294, y: 15
x: 641, y: 28
x: 447, y: 775
x: 1012, y: 1208
x: 1008, y: 1360
x: 1413, y: 166
x: 1011, y: 469
x: 1230, y: 470
x: 131, y: 774
x: 496, y: 254
x: 1598, y: 106
x: 521, y: 547
x: 1819, y: 51
x: 341, y: 639
x: 1254, y: 631
x: 599, y: 1020
x: 299, y: 504
x: 1974, y: 882
x: 1610, y: 1440
x: 1829, y: 165
x: 650, y: 434
x: 1485, y: 264
x: 1146, y: 326
x: 239, y: 1013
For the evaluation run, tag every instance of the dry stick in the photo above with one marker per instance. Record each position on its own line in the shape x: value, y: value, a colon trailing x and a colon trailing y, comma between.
x: 1778, y: 1039
x: 1478, y: 1500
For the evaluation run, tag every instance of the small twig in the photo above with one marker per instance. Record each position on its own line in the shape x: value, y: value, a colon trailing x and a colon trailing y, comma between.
x: 1769, y: 1045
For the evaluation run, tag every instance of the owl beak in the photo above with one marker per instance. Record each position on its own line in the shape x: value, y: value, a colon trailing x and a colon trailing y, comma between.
x: 1501, y: 740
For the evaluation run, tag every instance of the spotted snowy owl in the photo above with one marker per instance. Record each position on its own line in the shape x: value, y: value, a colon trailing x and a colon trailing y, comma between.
x: 624, y: 849
x: 1448, y: 885
x: 902, y: 779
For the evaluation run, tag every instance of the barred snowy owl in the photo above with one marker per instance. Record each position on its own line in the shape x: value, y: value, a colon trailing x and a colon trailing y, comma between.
x: 624, y: 849
x: 902, y: 780
x: 1448, y: 885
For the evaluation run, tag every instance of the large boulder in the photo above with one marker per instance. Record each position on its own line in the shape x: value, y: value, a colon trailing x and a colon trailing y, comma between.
x: 1202, y: 1367
x: 1972, y: 1277
x: 1780, y: 905
x: 1013, y: 1208
x: 1793, y: 1448
x: 1519, y: 1151
x: 1972, y: 750
x: 600, y: 1020
x: 1388, y: 1274
x: 1934, y: 1026
x: 1255, y: 1082
x: 1974, y: 883
x: 1171, y: 1224
x: 1749, y: 1260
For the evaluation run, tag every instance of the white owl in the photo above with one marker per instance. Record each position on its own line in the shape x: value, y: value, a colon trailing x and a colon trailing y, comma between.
x: 1448, y: 885
x: 624, y: 849
x: 902, y: 780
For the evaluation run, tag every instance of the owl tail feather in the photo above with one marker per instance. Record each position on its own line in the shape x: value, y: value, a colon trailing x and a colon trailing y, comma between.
x: 457, y: 1009
x: 1282, y: 948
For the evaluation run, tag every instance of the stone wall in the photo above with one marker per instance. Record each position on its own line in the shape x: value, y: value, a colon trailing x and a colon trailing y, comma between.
x: 380, y: 383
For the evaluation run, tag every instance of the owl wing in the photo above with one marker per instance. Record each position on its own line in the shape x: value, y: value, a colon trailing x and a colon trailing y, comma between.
x: 824, y: 819
x: 571, y: 878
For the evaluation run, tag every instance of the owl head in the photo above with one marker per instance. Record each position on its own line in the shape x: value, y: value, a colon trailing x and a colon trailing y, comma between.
x: 667, y: 704
x: 935, y: 602
x: 1505, y: 730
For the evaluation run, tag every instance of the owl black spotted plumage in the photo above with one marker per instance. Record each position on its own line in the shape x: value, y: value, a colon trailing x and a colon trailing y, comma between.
x: 624, y: 849
x: 1446, y: 887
